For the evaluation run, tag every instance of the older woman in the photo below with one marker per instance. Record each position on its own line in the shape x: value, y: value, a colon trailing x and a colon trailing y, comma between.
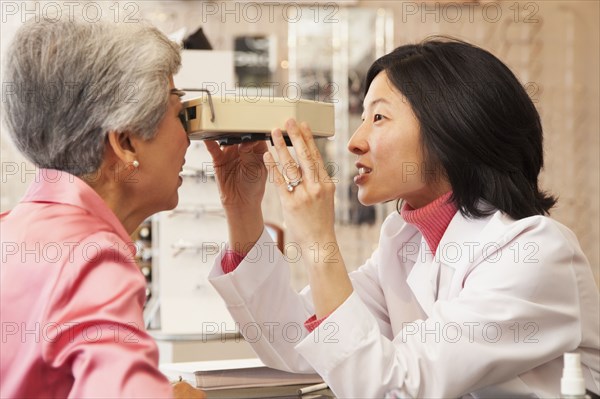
x: 93, y: 106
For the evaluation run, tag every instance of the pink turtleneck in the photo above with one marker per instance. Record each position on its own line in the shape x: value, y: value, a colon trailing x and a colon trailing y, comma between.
x: 432, y: 219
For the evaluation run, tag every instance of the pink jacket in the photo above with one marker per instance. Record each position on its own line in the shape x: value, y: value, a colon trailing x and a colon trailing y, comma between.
x: 71, y: 299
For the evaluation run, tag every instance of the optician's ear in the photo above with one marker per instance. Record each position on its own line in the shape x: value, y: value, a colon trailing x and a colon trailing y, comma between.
x: 122, y: 146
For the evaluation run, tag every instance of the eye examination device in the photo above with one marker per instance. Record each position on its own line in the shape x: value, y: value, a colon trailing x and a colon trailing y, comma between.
x: 234, y: 119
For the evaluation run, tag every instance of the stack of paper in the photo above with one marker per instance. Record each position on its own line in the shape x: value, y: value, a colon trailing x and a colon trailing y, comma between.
x: 238, y: 373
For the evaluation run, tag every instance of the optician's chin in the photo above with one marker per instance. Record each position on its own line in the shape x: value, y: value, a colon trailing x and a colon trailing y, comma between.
x: 373, y: 194
x: 364, y: 198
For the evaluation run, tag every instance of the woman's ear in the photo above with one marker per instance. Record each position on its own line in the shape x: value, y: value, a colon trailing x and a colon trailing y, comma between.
x: 122, y: 146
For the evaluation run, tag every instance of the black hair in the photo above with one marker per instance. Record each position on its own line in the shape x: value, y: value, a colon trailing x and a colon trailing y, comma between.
x: 477, y: 124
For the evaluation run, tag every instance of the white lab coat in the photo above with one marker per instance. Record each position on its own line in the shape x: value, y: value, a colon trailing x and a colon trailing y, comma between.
x: 490, y: 315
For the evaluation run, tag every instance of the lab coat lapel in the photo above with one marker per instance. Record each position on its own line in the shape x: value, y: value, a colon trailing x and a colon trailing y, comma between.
x: 403, y: 249
x: 440, y: 277
x: 420, y: 278
x: 456, y: 252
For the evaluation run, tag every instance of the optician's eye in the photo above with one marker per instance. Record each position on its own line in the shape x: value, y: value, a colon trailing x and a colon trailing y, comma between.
x: 377, y: 117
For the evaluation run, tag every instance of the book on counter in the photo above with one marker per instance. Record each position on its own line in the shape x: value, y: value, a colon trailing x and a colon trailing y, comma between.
x: 236, y: 373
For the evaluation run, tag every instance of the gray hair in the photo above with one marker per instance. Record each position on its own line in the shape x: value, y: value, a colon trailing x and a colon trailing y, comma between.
x: 69, y: 83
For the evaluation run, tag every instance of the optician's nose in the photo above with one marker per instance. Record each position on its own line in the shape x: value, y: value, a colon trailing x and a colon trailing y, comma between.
x: 358, y: 144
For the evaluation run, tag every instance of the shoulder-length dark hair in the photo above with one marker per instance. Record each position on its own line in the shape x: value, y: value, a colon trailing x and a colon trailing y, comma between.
x: 478, y: 125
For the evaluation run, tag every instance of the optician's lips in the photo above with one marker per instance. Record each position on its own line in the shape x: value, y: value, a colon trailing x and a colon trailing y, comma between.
x: 363, y: 172
x: 362, y: 169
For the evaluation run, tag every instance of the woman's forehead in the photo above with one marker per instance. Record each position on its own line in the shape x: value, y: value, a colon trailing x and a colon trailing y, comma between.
x: 382, y: 91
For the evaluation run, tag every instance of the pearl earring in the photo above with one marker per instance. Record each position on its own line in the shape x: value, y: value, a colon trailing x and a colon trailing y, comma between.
x: 135, y: 163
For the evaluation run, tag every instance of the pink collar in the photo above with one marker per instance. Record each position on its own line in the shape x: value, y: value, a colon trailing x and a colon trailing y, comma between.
x: 55, y: 186
x: 432, y: 220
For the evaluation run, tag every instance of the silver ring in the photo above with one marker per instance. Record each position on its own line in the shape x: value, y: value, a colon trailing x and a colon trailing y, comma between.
x: 291, y: 185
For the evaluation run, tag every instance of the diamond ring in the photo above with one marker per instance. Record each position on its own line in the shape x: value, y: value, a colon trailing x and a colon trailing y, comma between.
x: 291, y: 185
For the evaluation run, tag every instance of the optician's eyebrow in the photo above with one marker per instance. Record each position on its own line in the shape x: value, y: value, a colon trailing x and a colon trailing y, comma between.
x: 178, y: 92
x: 375, y: 102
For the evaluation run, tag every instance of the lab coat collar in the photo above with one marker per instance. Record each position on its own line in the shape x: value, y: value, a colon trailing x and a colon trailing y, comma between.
x: 441, y: 276
x: 462, y: 240
x: 403, y: 235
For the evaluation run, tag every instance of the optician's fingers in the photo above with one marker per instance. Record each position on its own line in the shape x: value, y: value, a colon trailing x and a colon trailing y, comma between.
x: 253, y: 147
x: 214, y: 149
x: 274, y: 173
x: 290, y: 170
x: 319, y: 167
x: 252, y: 151
x: 246, y: 148
x: 309, y: 139
x: 260, y: 147
x: 221, y: 155
x: 252, y: 163
x: 308, y: 156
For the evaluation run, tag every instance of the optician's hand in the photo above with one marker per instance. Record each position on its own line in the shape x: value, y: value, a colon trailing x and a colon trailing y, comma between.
x: 240, y: 171
x: 307, y: 204
x: 309, y: 215
x: 241, y: 176
x: 183, y: 390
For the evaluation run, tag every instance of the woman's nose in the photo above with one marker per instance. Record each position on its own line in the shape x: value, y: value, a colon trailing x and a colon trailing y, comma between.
x: 358, y: 144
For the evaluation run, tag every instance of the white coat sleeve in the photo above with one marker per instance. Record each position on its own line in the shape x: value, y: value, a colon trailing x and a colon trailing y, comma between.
x: 258, y: 294
x: 510, y: 317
